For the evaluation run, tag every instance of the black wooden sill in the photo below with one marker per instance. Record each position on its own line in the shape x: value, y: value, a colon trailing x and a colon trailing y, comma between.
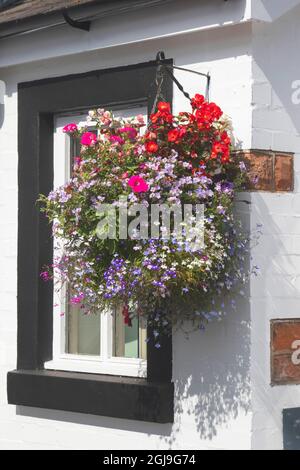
x: 104, y: 395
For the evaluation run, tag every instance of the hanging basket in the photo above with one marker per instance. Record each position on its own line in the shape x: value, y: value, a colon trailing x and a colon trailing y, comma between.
x: 181, y: 160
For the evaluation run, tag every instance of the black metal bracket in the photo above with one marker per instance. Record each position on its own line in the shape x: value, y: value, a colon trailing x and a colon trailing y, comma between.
x: 160, y: 57
x: 83, y: 25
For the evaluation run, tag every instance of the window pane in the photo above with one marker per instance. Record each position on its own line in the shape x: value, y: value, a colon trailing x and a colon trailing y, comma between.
x: 74, y: 151
x: 83, y: 332
x: 129, y: 341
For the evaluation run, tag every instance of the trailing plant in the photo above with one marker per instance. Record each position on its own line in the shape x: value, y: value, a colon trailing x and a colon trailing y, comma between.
x: 179, y: 160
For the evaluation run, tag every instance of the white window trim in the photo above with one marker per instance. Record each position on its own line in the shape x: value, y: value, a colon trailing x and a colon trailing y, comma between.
x: 106, y: 363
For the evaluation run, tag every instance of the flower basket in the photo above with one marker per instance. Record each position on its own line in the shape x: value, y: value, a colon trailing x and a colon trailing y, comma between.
x: 114, y: 248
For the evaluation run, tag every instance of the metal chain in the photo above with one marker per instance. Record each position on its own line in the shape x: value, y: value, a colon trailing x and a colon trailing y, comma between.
x: 159, y: 83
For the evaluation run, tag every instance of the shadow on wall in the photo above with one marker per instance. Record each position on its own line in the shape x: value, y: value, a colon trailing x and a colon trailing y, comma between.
x: 213, y: 388
x: 212, y: 369
x: 273, y: 10
x: 2, y: 94
x: 97, y: 421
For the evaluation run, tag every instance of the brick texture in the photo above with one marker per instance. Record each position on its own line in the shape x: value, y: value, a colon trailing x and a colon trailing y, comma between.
x: 283, y: 334
x: 283, y: 172
x: 260, y: 170
x: 269, y: 170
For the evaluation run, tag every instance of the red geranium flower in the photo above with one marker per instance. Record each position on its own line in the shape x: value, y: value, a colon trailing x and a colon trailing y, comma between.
x: 163, y: 114
x: 206, y: 114
x: 219, y: 149
x: 151, y: 147
x: 164, y: 107
x: 197, y: 101
x: 215, y: 111
x: 173, y: 135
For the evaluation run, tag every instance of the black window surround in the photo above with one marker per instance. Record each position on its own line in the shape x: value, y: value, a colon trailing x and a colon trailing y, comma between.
x: 150, y: 399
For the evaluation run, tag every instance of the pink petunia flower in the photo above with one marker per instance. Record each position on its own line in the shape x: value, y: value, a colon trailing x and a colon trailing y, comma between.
x: 138, y: 184
x: 45, y: 276
x: 77, y: 299
x: 130, y: 131
x: 70, y: 128
x: 89, y: 139
x: 116, y: 139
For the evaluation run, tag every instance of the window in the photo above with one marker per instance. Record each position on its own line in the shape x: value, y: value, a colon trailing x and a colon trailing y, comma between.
x: 150, y: 398
x: 92, y: 343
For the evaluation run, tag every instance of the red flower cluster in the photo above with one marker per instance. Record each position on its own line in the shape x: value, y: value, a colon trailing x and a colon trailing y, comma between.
x: 221, y: 148
x: 197, y: 101
x: 175, y: 135
x: 163, y: 113
x: 191, y: 130
x: 207, y: 114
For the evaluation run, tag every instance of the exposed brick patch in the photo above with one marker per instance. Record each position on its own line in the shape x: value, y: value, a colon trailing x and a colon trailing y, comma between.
x: 285, y: 335
x: 269, y: 170
x: 260, y: 170
x: 283, y: 172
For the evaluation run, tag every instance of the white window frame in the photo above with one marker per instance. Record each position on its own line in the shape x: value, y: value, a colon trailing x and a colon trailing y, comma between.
x: 106, y: 363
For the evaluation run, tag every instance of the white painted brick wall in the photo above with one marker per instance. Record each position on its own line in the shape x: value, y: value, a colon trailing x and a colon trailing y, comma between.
x: 212, y: 409
x: 276, y: 293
